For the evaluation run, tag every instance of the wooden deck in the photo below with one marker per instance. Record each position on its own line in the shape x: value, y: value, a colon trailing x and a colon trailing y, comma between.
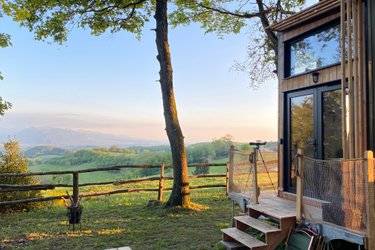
x: 271, y: 204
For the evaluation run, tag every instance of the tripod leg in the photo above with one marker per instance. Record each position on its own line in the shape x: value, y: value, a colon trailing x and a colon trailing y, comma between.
x: 265, y: 166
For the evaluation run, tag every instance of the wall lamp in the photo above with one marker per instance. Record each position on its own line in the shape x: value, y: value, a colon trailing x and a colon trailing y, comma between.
x: 315, y: 77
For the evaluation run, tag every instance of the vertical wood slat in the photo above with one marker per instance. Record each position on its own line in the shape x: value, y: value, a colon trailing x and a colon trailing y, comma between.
x: 343, y: 81
x: 299, y: 187
x: 161, y: 182
x: 75, y: 187
x: 362, y: 74
x: 350, y: 79
x: 370, y: 200
x: 356, y: 115
x: 356, y: 96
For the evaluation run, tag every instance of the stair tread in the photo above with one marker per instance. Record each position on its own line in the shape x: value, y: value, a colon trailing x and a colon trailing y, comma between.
x: 257, y: 224
x: 283, y: 209
x: 243, y: 238
x: 232, y: 244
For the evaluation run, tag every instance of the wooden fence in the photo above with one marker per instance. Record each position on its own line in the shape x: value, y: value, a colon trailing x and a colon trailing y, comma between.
x: 76, y: 185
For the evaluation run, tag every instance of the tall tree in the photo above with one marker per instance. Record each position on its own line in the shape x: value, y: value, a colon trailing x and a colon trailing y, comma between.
x: 235, y: 16
x: 52, y: 19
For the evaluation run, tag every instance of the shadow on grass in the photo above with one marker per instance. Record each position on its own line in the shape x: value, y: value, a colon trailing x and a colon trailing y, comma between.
x: 122, y: 220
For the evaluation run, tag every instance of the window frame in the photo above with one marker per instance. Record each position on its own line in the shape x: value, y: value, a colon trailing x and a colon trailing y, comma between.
x: 287, y: 49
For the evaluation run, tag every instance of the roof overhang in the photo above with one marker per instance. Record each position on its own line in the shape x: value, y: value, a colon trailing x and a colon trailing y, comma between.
x: 323, y: 8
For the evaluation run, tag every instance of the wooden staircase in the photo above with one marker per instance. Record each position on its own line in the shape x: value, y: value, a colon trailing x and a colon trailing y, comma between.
x: 282, y: 212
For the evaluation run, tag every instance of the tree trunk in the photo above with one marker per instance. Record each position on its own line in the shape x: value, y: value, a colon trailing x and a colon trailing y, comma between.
x: 180, y: 192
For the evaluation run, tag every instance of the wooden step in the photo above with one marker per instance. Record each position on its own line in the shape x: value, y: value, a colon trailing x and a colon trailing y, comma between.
x: 233, y: 245
x: 256, y: 224
x: 277, y: 209
x: 234, y: 234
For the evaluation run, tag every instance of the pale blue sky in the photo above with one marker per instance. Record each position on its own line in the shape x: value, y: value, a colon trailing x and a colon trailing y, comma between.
x: 109, y: 84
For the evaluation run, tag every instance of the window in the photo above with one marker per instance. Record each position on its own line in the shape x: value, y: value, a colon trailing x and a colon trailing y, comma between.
x: 319, y: 49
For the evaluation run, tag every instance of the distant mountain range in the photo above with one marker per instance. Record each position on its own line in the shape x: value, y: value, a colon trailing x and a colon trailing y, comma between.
x: 70, y: 138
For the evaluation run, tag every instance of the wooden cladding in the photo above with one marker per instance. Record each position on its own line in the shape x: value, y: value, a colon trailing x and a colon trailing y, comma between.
x: 353, y: 74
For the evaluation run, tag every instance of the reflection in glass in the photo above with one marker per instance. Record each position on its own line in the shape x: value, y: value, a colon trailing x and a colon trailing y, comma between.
x: 301, y: 128
x: 332, y: 125
x: 315, y: 51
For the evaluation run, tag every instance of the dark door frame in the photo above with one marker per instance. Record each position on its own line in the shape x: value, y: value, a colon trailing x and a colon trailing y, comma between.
x: 317, y: 93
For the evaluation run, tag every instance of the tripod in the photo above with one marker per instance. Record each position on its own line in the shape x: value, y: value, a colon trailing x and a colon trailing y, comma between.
x: 253, y: 159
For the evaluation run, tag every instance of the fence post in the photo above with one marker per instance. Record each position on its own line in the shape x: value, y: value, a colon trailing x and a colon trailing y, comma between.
x: 75, y: 187
x: 255, y: 177
x: 227, y: 179
x: 370, y: 200
x: 299, y: 189
x: 160, y: 192
x: 231, y: 165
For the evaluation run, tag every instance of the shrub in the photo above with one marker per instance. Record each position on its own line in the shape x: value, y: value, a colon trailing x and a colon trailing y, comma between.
x: 12, y: 161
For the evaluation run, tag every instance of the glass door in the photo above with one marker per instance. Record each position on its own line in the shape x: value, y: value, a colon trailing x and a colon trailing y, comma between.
x: 331, y: 125
x: 313, y: 124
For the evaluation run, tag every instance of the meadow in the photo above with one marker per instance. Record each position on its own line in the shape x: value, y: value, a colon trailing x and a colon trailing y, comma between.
x: 122, y: 220
x: 112, y: 221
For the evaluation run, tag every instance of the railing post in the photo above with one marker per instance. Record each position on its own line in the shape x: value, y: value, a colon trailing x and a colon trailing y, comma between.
x: 299, y: 189
x: 75, y: 187
x: 370, y: 204
x: 255, y: 177
x: 231, y: 165
x: 227, y: 179
x: 160, y: 192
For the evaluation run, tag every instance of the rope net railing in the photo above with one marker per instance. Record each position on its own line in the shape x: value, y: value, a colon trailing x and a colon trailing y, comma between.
x: 241, y: 173
x: 339, y: 188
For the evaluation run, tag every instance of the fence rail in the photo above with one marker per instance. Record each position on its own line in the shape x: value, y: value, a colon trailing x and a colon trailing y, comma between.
x: 76, y: 184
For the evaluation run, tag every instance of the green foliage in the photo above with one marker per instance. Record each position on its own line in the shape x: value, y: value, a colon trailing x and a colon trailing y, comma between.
x: 13, y: 162
x: 52, y: 20
x: 4, y: 105
x: 238, y: 16
x: 4, y: 42
x: 46, y: 150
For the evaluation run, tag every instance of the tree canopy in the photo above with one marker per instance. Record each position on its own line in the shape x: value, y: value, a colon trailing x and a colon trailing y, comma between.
x: 242, y: 16
x: 4, y: 42
x: 53, y: 19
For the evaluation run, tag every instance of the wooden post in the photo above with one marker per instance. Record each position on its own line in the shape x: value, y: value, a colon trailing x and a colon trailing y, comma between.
x: 357, y: 97
x: 161, y: 180
x: 343, y: 82
x: 231, y: 166
x: 350, y: 80
x: 299, y: 189
x: 227, y: 179
x: 370, y: 204
x: 255, y: 177
x: 75, y: 187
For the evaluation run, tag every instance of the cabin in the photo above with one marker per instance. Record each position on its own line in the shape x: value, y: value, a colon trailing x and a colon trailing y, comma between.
x: 326, y: 129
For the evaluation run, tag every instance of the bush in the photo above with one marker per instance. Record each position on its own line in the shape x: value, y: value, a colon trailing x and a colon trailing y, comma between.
x: 12, y: 161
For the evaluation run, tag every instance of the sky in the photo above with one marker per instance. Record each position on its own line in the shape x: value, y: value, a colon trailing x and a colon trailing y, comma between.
x: 110, y: 84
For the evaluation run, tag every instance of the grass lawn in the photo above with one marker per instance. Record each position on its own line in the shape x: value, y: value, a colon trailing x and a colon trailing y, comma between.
x: 122, y: 220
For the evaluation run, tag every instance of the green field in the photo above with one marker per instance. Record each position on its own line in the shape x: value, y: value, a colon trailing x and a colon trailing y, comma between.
x: 122, y: 220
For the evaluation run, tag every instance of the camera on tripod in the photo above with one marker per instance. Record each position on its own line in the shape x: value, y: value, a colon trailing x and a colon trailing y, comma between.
x: 257, y: 143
